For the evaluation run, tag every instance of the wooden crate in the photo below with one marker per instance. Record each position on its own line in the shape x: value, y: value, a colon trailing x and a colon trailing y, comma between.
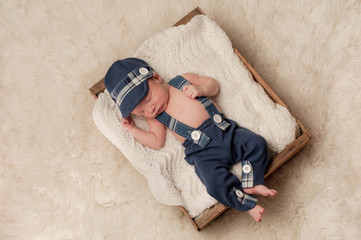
x: 277, y: 161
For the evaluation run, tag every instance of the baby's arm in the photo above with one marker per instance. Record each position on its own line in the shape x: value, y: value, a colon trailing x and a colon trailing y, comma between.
x: 201, y: 86
x: 154, y: 138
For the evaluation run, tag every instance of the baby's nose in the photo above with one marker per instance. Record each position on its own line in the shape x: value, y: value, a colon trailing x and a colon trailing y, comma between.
x: 152, y: 109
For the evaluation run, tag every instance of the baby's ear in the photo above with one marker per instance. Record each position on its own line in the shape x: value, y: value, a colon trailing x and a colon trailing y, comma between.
x: 157, y: 77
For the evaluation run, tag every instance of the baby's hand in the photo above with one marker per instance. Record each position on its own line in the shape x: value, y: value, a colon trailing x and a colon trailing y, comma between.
x: 192, y: 91
x: 128, y: 123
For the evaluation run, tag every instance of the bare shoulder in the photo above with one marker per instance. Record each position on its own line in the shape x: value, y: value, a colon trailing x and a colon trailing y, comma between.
x: 190, y: 75
x: 195, y: 78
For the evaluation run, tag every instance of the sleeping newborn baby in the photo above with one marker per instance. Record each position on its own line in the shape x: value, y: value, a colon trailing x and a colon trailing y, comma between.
x: 212, y: 143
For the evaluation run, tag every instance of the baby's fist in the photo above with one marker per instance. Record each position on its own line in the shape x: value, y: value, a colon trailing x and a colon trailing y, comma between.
x: 128, y: 123
x: 191, y: 91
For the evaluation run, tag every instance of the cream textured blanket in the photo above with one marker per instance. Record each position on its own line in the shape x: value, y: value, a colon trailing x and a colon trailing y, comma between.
x: 200, y: 46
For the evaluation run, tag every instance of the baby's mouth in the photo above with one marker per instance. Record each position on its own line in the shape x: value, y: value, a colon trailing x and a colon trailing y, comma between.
x: 160, y: 109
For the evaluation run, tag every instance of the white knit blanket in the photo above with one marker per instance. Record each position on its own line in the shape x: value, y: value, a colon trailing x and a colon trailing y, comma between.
x: 200, y: 46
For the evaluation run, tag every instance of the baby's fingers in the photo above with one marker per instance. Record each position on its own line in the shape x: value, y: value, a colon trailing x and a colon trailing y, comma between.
x: 186, y: 88
x: 190, y: 91
x: 193, y: 95
x: 125, y: 121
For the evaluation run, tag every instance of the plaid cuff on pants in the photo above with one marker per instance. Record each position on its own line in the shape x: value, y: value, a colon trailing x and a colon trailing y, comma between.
x: 247, y: 201
x: 247, y: 174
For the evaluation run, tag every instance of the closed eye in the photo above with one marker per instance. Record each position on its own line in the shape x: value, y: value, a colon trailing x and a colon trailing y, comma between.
x: 149, y: 97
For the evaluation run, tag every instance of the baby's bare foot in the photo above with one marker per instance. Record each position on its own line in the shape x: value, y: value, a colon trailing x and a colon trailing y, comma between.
x: 261, y: 190
x: 256, y: 213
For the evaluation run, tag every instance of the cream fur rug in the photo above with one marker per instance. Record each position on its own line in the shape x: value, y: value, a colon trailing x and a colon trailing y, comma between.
x: 61, y: 179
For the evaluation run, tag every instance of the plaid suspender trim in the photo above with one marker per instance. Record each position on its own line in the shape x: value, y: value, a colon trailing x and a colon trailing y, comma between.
x: 179, y: 82
x: 183, y: 130
x: 213, y: 111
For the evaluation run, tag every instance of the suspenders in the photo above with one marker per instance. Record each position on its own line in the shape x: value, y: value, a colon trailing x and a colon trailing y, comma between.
x: 192, y: 134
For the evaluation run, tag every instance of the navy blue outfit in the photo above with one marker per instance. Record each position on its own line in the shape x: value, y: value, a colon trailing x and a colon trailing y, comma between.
x: 215, y: 146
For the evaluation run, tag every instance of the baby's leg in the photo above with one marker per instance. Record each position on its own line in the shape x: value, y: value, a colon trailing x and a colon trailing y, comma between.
x: 256, y: 212
x: 261, y: 190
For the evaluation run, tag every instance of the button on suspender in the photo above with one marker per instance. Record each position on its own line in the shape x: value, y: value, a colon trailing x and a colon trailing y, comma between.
x: 192, y: 134
x: 213, y: 112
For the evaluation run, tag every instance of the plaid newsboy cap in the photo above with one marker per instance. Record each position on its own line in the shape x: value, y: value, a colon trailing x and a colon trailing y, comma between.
x: 126, y: 82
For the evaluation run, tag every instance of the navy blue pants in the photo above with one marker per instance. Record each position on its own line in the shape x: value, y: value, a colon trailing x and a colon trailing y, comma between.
x: 212, y: 164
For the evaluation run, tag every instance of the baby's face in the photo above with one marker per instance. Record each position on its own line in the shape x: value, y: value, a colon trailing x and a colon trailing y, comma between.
x: 156, y: 100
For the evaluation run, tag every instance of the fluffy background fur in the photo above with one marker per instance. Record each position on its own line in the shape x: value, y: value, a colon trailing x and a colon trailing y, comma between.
x: 61, y: 179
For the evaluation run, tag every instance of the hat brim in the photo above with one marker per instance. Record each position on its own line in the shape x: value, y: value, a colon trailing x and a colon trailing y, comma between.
x: 129, y: 104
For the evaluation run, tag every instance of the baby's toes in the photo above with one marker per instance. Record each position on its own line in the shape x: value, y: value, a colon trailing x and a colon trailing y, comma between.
x: 273, y: 193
